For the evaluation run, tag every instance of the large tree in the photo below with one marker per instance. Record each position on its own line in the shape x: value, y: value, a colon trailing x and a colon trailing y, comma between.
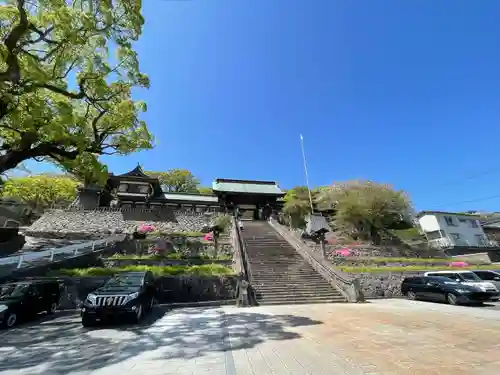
x: 365, y: 209
x: 67, y: 69
x: 297, y: 205
x: 177, y: 180
x: 42, y: 191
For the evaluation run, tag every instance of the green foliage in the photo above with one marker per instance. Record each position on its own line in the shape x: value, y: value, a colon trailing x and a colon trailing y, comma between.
x: 223, y: 222
x: 408, y: 234
x: 39, y: 192
x: 414, y: 268
x: 67, y: 70
x: 202, y: 270
x: 364, y: 209
x: 170, y: 256
x: 177, y: 180
x: 175, y: 234
x: 297, y: 205
x: 205, y: 190
x: 385, y: 260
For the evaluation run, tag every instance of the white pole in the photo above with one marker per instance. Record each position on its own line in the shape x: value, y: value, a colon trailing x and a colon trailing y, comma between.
x: 305, y: 170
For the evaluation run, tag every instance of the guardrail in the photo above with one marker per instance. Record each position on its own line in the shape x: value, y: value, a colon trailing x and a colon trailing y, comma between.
x: 72, y: 250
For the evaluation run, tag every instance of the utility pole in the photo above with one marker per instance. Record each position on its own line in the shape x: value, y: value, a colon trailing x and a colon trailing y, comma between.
x: 305, y: 171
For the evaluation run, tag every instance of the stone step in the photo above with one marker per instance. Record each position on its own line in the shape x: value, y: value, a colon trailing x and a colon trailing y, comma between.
x: 292, y: 287
x: 287, y: 276
x: 302, y: 301
x: 298, y: 294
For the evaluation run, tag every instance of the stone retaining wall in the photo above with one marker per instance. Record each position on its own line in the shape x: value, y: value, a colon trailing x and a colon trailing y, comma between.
x: 58, y: 222
x: 383, y: 285
x: 173, y: 289
x: 187, y: 246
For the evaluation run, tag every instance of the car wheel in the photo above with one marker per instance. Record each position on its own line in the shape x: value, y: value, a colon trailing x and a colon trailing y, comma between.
x: 138, y: 314
x: 86, y: 322
x: 451, y: 298
x: 52, y: 309
x: 10, y: 320
x: 411, y: 295
x: 152, y: 303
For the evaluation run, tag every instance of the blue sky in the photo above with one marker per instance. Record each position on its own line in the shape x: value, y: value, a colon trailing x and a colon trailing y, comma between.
x: 402, y: 92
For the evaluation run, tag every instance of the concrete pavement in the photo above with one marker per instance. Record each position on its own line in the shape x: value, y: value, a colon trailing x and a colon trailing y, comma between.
x: 382, y: 337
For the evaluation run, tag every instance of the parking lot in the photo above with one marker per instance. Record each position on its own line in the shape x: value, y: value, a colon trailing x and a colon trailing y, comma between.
x: 381, y: 337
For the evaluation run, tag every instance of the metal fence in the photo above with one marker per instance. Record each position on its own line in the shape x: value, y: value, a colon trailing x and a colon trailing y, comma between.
x: 50, y: 255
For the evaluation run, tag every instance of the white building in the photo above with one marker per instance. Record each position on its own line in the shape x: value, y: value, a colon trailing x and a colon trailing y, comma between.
x: 448, y: 229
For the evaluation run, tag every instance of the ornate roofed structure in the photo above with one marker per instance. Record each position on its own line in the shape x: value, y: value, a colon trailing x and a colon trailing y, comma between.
x: 136, y: 189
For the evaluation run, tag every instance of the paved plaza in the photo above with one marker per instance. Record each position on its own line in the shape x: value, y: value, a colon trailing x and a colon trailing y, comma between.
x: 382, y: 337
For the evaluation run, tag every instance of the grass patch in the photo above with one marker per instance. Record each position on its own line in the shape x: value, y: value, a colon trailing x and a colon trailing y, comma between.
x: 407, y: 260
x: 176, y: 234
x: 407, y: 234
x: 202, y: 270
x: 414, y: 268
x: 171, y: 256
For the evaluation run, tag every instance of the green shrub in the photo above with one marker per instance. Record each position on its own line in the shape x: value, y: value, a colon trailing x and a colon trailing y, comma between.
x: 202, y: 270
x: 171, y: 256
x: 179, y: 234
x: 409, y: 260
x: 414, y: 268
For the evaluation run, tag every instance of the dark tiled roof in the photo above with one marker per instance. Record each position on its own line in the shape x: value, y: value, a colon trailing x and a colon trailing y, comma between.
x: 247, y: 187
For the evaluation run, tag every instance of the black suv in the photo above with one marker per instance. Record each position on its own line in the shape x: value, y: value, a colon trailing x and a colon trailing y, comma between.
x: 125, y: 295
x: 443, y: 289
x: 25, y: 299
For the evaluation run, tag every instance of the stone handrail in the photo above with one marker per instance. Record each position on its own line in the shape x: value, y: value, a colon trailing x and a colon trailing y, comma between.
x: 237, y: 259
x: 344, y: 283
x: 245, y: 296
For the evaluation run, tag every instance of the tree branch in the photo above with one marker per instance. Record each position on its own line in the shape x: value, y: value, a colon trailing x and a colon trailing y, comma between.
x: 13, y: 72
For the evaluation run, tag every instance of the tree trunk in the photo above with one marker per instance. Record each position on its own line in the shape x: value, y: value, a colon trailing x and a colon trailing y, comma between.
x: 216, y: 246
x: 375, y: 235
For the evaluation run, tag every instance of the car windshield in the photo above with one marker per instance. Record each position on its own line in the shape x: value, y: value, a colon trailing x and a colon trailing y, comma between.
x: 13, y: 290
x: 469, y: 276
x: 125, y: 280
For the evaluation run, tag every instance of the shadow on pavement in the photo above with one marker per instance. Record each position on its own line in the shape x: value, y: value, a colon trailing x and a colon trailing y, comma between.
x: 62, y: 345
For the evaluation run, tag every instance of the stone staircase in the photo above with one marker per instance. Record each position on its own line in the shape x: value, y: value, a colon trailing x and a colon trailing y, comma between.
x: 279, y: 274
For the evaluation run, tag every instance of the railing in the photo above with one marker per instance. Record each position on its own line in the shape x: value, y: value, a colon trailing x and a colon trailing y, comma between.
x: 446, y: 243
x: 345, y: 284
x: 246, y: 295
x: 72, y: 250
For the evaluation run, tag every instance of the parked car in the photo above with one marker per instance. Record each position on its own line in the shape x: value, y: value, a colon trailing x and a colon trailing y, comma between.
x: 25, y: 299
x: 466, y: 278
x: 126, y: 295
x: 443, y: 289
x: 490, y: 276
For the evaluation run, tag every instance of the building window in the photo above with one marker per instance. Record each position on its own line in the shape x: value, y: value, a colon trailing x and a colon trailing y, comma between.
x: 434, y: 235
x: 449, y: 221
x: 123, y: 188
x: 473, y: 223
x: 480, y: 240
x: 144, y: 189
x: 457, y: 239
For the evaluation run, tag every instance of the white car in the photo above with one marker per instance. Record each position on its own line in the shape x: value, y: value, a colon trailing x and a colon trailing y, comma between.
x: 466, y: 278
x: 489, y: 276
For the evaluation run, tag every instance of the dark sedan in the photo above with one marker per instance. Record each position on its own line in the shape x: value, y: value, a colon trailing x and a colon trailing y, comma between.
x: 443, y: 289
